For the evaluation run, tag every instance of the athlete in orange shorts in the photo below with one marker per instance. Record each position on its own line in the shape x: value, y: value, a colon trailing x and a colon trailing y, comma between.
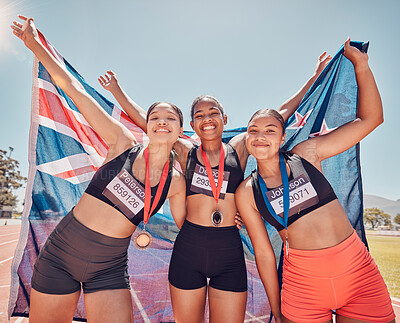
x: 342, y: 277
x: 326, y: 266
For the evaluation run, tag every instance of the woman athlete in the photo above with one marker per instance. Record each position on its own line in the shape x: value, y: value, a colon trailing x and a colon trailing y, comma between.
x: 89, y: 246
x: 208, y: 245
x: 326, y: 266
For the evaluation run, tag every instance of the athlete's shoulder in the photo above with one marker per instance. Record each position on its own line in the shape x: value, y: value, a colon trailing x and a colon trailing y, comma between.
x: 178, y: 183
x: 306, y: 150
x: 176, y: 176
x: 244, y: 198
x: 183, y: 146
x: 245, y: 187
x: 238, y: 143
x: 116, y: 151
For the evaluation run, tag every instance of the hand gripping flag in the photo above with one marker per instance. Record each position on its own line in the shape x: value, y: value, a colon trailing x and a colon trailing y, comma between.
x: 331, y: 102
x: 64, y: 153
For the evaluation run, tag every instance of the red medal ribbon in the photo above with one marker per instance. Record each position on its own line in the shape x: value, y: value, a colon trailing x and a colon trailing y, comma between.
x: 147, y: 187
x: 215, y: 190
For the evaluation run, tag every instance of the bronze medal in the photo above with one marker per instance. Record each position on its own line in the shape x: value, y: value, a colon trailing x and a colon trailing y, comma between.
x: 143, y: 240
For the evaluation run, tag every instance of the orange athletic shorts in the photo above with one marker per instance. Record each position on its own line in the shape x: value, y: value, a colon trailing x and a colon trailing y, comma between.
x: 344, y: 278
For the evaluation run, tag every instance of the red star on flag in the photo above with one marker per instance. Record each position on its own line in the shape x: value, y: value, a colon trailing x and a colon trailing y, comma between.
x: 300, y: 120
x: 323, y: 131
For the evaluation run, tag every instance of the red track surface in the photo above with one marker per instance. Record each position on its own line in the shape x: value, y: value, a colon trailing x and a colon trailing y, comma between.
x: 8, y: 241
x: 9, y: 235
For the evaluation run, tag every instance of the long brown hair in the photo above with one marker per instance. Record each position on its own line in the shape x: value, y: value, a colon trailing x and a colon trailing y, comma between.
x: 173, y: 106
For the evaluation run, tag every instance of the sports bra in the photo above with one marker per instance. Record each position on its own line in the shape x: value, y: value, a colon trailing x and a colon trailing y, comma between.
x: 114, y: 184
x: 308, y: 190
x: 197, y: 181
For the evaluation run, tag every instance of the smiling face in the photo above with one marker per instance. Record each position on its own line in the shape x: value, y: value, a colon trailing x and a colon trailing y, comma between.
x: 264, y: 136
x: 164, y: 123
x: 208, y: 121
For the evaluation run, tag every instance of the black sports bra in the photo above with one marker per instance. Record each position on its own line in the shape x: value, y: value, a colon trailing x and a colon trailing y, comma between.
x: 197, y: 181
x: 309, y: 190
x: 114, y: 184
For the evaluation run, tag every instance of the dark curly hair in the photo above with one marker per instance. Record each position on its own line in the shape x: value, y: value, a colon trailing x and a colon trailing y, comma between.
x: 205, y: 97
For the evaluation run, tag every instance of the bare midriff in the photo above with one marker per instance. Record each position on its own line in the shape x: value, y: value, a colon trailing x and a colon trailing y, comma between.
x: 102, y: 218
x: 200, y: 208
x: 322, y: 228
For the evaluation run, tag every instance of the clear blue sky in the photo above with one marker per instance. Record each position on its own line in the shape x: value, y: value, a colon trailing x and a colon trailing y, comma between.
x: 249, y: 54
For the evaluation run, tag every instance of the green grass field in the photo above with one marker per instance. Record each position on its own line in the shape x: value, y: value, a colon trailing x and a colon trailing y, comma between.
x: 386, y: 253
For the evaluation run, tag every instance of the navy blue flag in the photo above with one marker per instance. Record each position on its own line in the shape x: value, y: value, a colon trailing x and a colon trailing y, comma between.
x: 65, y: 152
x: 331, y: 102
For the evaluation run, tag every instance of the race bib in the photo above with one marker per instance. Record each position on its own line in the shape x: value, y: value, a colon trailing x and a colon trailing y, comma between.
x: 126, y: 193
x: 302, y: 195
x: 201, y: 184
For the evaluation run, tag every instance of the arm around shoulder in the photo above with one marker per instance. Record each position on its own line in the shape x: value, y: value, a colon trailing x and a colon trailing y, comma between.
x: 177, y: 197
x: 182, y: 148
x: 239, y: 144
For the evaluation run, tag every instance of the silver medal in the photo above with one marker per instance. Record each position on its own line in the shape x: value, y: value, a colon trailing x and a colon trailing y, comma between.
x: 217, y: 218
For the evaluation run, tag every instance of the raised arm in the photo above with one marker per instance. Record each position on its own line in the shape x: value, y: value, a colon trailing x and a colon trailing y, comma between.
x: 264, y: 254
x: 108, y: 128
x: 289, y: 107
x: 110, y: 83
x: 286, y: 109
x: 369, y: 114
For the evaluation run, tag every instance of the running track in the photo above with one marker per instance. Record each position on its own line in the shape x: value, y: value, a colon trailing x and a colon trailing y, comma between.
x: 8, y: 241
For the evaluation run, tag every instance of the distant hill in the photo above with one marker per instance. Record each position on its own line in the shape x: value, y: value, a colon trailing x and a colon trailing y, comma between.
x: 389, y: 206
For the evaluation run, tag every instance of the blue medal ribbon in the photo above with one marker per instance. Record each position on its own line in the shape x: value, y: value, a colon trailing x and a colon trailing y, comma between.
x: 286, y: 201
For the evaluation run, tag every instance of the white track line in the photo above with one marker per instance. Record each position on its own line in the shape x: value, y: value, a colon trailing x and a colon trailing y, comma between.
x: 20, y: 320
x: 8, y: 234
x: 140, y: 307
x: 257, y: 319
x: 5, y: 260
x: 159, y: 258
x: 3, y: 243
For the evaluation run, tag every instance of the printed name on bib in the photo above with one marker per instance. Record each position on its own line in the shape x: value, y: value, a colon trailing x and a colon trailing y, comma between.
x: 302, y: 195
x: 126, y: 193
x: 201, y: 184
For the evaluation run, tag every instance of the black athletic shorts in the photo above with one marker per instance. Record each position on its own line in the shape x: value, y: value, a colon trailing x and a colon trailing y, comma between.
x: 208, y: 252
x: 75, y: 255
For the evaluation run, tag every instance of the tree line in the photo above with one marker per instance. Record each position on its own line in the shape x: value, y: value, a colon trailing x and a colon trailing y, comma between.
x: 10, y: 178
x: 376, y: 217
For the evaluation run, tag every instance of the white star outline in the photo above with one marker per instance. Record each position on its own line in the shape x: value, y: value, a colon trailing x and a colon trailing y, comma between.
x: 300, y: 120
x: 323, y: 131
